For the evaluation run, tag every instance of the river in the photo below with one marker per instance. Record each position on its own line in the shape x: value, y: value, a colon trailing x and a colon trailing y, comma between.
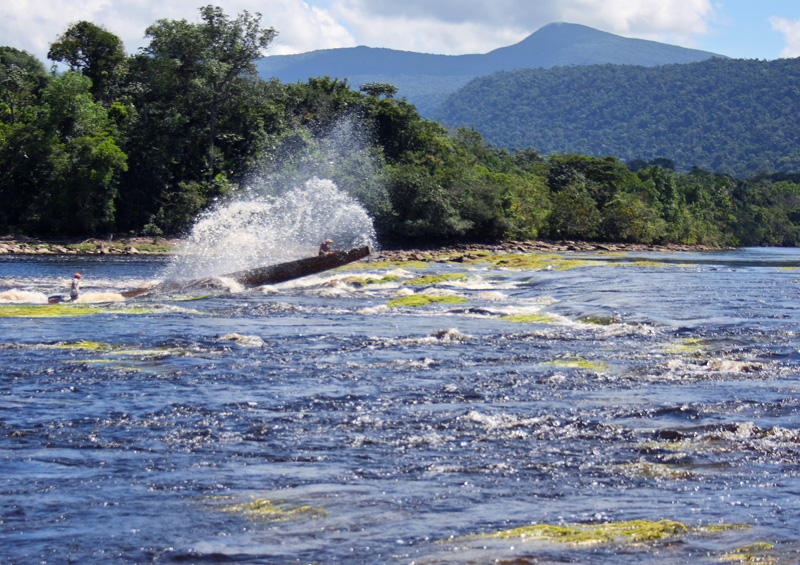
x: 405, y: 413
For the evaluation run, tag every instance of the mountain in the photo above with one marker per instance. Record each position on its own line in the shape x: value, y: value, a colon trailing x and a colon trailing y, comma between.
x: 722, y: 115
x: 426, y: 79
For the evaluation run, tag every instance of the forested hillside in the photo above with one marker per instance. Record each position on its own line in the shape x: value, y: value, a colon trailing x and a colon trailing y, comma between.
x: 426, y: 79
x: 142, y: 144
x: 723, y: 115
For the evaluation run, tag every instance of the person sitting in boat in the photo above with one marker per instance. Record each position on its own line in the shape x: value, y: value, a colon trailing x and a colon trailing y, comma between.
x: 73, y: 291
x: 326, y: 247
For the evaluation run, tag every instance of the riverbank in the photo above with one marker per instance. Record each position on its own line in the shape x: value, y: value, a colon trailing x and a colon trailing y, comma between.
x: 10, y: 245
x: 165, y: 246
x: 467, y: 251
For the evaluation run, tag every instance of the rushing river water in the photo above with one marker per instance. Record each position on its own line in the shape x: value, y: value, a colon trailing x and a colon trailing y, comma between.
x: 330, y: 419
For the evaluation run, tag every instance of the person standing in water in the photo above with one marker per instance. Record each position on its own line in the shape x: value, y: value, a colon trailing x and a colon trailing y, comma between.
x: 73, y: 291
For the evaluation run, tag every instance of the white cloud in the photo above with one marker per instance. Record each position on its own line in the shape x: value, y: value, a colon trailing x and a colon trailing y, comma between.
x: 33, y: 25
x: 433, y: 26
x: 475, y: 26
x: 791, y: 32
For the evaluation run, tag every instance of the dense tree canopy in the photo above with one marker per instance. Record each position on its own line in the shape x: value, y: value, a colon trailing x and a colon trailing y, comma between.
x: 722, y: 115
x: 144, y: 143
x: 96, y: 53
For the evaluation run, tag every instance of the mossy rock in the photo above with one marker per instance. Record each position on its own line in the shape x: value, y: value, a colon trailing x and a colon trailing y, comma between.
x: 529, y: 319
x: 526, y: 261
x: 65, y: 310
x: 436, y: 279
x: 357, y: 281
x: 416, y: 300
x: 46, y: 310
x: 85, y: 345
x: 599, y: 320
x: 752, y: 553
x: 380, y: 265
x: 274, y: 511
x: 690, y: 346
x: 578, y: 363
x: 635, y: 530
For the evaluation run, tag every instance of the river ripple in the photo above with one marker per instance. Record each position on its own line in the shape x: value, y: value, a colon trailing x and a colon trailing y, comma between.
x: 318, y: 421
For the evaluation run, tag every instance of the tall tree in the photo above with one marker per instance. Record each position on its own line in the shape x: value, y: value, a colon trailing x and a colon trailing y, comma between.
x: 96, y: 53
x: 212, y: 58
x: 22, y: 77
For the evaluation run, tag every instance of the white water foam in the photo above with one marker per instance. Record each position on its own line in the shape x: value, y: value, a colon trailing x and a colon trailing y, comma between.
x: 258, y: 228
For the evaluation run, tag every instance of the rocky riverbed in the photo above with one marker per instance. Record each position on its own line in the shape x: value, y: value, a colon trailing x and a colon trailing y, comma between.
x: 164, y: 246
x: 10, y: 245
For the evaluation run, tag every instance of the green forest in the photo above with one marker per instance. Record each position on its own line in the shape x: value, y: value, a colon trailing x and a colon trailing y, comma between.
x: 724, y: 115
x: 141, y: 144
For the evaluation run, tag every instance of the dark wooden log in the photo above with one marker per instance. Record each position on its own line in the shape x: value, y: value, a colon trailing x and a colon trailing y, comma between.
x: 271, y: 274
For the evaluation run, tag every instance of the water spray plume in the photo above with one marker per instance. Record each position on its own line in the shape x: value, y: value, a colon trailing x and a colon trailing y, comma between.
x: 259, y: 228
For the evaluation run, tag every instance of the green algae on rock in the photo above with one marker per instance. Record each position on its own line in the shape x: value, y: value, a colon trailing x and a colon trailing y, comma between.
x: 425, y: 299
x: 273, y: 511
x: 116, y: 350
x: 599, y: 320
x: 577, y: 363
x: 751, y: 553
x: 634, y: 530
x: 65, y: 310
x: 529, y: 318
x: 436, y: 279
x: 359, y: 281
x: 689, y: 345
x: 46, y: 310
x: 87, y: 345
x: 381, y: 265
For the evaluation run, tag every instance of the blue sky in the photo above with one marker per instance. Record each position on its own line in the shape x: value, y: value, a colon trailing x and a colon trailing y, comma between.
x: 750, y: 29
x: 745, y: 30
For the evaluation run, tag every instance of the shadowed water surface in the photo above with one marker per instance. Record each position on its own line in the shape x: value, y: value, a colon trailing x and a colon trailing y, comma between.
x: 319, y: 421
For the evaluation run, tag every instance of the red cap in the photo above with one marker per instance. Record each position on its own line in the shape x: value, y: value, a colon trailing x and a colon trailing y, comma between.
x: 77, y: 275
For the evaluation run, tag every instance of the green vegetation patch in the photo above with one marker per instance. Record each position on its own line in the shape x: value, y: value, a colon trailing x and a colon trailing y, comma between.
x: 133, y: 310
x: 356, y: 281
x: 85, y: 345
x: 534, y: 261
x: 46, y: 310
x: 529, y: 319
x: 565, y: 264
x: 64, y: 310
x: 714, y: 528
x: 578, y: 363
x: 523, y: 261
x: 436, y: 279
x: 689, y: 345
x: 114, y: 350
x: 635, y: 530
x: 382, y: 265
x: 599, y: 320
x: 424, y: 300
x: 273, y: 511
x: 752, y: 553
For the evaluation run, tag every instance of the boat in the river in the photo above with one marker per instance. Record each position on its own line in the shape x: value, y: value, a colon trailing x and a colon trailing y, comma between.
x: 270, y: 274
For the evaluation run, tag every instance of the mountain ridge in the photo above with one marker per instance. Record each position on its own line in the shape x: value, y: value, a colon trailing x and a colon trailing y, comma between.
x: 732, y: 116
x: 426, y: 79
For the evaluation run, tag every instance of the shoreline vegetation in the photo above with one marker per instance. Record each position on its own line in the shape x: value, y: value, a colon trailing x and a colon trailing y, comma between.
x: 142, y: 245
x: 146, y: 144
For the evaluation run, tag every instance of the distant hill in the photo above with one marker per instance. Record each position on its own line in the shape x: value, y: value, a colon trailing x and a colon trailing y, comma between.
x: 426, y: 80
x: 722, y: 115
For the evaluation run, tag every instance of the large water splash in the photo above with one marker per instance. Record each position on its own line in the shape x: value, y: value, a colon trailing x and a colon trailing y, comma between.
x: 260, y: 227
